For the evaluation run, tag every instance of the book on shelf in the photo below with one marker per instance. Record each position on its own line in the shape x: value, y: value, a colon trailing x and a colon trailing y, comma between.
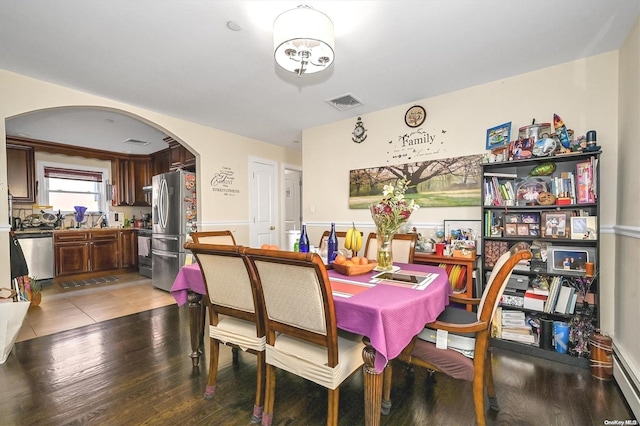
x: 554, y: 290
x: 518, y: 337
x: 502, y: 175
x: 564, y: 299
x: 534, y: 301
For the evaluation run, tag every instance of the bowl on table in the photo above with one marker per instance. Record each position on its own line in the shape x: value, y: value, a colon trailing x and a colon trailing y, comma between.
x: 352, y: 269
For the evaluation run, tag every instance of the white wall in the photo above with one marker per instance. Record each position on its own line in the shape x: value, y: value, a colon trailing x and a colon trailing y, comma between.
x: 584, y: 93
x: 214, y: 149
x: 626, y: 306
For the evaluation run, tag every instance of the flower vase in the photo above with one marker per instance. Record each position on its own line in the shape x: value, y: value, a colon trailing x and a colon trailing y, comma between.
x: 385, y: 253
x: 580, y: 330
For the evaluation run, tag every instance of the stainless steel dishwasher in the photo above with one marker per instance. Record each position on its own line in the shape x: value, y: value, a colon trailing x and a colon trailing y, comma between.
x: 37, y: 247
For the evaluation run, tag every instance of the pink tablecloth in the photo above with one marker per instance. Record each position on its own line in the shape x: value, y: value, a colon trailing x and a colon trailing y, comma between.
x: 388, y: 315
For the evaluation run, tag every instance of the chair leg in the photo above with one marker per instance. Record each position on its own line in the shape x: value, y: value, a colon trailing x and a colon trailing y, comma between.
x: 258, y: 406
x: 332, y: 406
x: 488, y: 382
x: 478, y: 394
x: 213, y: 369
x: 270, y: 388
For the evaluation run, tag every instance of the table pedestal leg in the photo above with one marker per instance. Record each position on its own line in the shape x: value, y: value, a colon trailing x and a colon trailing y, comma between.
x: 195, y: 325
x: 372, y: 386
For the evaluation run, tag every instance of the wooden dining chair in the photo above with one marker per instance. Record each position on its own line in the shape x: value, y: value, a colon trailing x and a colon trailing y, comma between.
x: 341, y: 238
x: 235, y: 313
x: 213, y: 237
x: 300, y: 319
x: 403, y: 247
x: 468, y: 355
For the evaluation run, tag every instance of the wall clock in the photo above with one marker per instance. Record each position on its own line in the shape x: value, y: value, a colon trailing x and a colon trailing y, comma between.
x: 359, y: 132
x: 415, y: 116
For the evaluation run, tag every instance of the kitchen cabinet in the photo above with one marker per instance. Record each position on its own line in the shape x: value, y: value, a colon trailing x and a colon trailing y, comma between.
x: 130, y: 175
x: 161, y: 162
x: 128, y: 248
x: 181, y: 157
x: 80, y: 254
x: 21, y: 172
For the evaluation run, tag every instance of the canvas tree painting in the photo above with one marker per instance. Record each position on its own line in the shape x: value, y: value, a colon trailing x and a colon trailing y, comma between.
x: 446, y: 182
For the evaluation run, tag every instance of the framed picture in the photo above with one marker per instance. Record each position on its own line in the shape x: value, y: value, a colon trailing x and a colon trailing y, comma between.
x: 510, y: 229
x: 498, y: 136
x: 584, y: 228
x: 523, y: 229
x: 555, y: 224
x: 568, y: 260
x: 520, y: 149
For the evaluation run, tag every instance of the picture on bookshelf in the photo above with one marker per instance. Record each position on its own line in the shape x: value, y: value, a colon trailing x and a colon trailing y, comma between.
x: 498, y: 136
x: 568, y: 260
x: 520, y: 149
x: 584, y: 228
x: 555, y: 224
x: 511, y: 229
x: 585, y: 183
x: 528, y: 190
x: 523, y: 229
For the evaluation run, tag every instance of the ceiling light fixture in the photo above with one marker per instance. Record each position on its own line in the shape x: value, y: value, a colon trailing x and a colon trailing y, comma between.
x: 303, y: 40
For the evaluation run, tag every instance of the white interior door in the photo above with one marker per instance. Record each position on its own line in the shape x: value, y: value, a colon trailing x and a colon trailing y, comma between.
x: 292, y: 199
x: 264, y: 206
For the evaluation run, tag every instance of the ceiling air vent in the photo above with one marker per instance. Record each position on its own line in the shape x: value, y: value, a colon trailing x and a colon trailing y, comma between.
x: 136, y: 142
x: 344, y: 102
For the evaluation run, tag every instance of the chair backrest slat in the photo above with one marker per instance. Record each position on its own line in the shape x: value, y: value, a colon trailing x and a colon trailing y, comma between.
x: 214, y: 237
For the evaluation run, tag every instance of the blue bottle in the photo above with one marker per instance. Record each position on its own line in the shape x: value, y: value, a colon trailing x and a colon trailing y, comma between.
x: 303, y: 245
x: 332, y: 244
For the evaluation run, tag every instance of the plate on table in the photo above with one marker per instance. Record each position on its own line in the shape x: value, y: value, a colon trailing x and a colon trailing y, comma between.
x: 354, y: 269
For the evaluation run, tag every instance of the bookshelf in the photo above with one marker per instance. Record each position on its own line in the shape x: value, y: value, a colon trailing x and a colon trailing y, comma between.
x: 550, y: 205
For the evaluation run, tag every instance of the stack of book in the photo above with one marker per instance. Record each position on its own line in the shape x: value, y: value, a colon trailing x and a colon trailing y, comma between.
x: 514, y: 327
x: 535, y: 299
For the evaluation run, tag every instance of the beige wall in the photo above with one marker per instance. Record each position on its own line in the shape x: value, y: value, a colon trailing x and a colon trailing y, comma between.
x: 626, y: 307
x: 584, y: 93
x: 214, y: 149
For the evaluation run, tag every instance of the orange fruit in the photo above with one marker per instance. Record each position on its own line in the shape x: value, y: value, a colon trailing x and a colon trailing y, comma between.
x: 265, y: 246
x: 355, y: 260
x: 364, y: 261
x: 274, y: 247
x: 340, y: 259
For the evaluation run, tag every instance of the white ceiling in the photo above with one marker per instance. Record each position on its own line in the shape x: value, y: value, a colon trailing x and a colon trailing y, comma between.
x: 179, y: 58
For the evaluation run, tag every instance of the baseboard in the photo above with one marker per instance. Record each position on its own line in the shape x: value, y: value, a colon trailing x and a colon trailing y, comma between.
x: 628, y: 379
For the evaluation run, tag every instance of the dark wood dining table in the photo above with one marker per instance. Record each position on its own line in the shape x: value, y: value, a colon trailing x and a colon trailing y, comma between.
x: 388, y: 314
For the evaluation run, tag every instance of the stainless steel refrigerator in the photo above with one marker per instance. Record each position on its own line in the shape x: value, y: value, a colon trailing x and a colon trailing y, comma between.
x: 173, y: 217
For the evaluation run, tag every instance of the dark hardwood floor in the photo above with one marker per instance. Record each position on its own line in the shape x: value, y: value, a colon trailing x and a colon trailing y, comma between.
x: 135, y: 370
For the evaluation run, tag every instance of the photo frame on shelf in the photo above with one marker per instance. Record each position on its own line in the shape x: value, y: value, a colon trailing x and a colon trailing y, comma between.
x: 498, y: 136
x: 568, y: 260
x: 520, y: 149
x: 584, y: 228
x: 555, y: 224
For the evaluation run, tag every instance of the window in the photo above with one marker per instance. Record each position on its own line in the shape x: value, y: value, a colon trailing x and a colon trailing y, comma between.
x: 65, y: 188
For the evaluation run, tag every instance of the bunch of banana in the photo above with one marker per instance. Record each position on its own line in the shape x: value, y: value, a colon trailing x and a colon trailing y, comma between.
x: 353, y: 240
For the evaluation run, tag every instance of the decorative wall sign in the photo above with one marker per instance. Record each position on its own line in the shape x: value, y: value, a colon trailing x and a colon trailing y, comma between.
x: 359, y: 132
x: 415, y: 116
x: 222, y: 182
x: 417, y: 144
x: 446, y: 182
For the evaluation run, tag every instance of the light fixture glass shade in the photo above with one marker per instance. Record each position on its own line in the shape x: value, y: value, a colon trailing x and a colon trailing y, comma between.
x: 303, y: 40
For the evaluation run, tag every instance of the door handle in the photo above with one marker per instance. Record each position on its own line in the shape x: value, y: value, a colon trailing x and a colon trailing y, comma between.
x: 273, y: 228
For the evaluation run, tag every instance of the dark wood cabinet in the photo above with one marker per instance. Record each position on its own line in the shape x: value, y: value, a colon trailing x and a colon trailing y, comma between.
x: 181, y: 157
x: 71, y: 253
x: 130, y: 175
x: 84, y: 254
x: 103, y: 251
x: 160, y: 162
x: 128, y: 248
x: 21, y: 172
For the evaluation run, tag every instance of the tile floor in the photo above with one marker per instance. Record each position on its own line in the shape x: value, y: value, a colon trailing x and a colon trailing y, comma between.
x: 67, y: 309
